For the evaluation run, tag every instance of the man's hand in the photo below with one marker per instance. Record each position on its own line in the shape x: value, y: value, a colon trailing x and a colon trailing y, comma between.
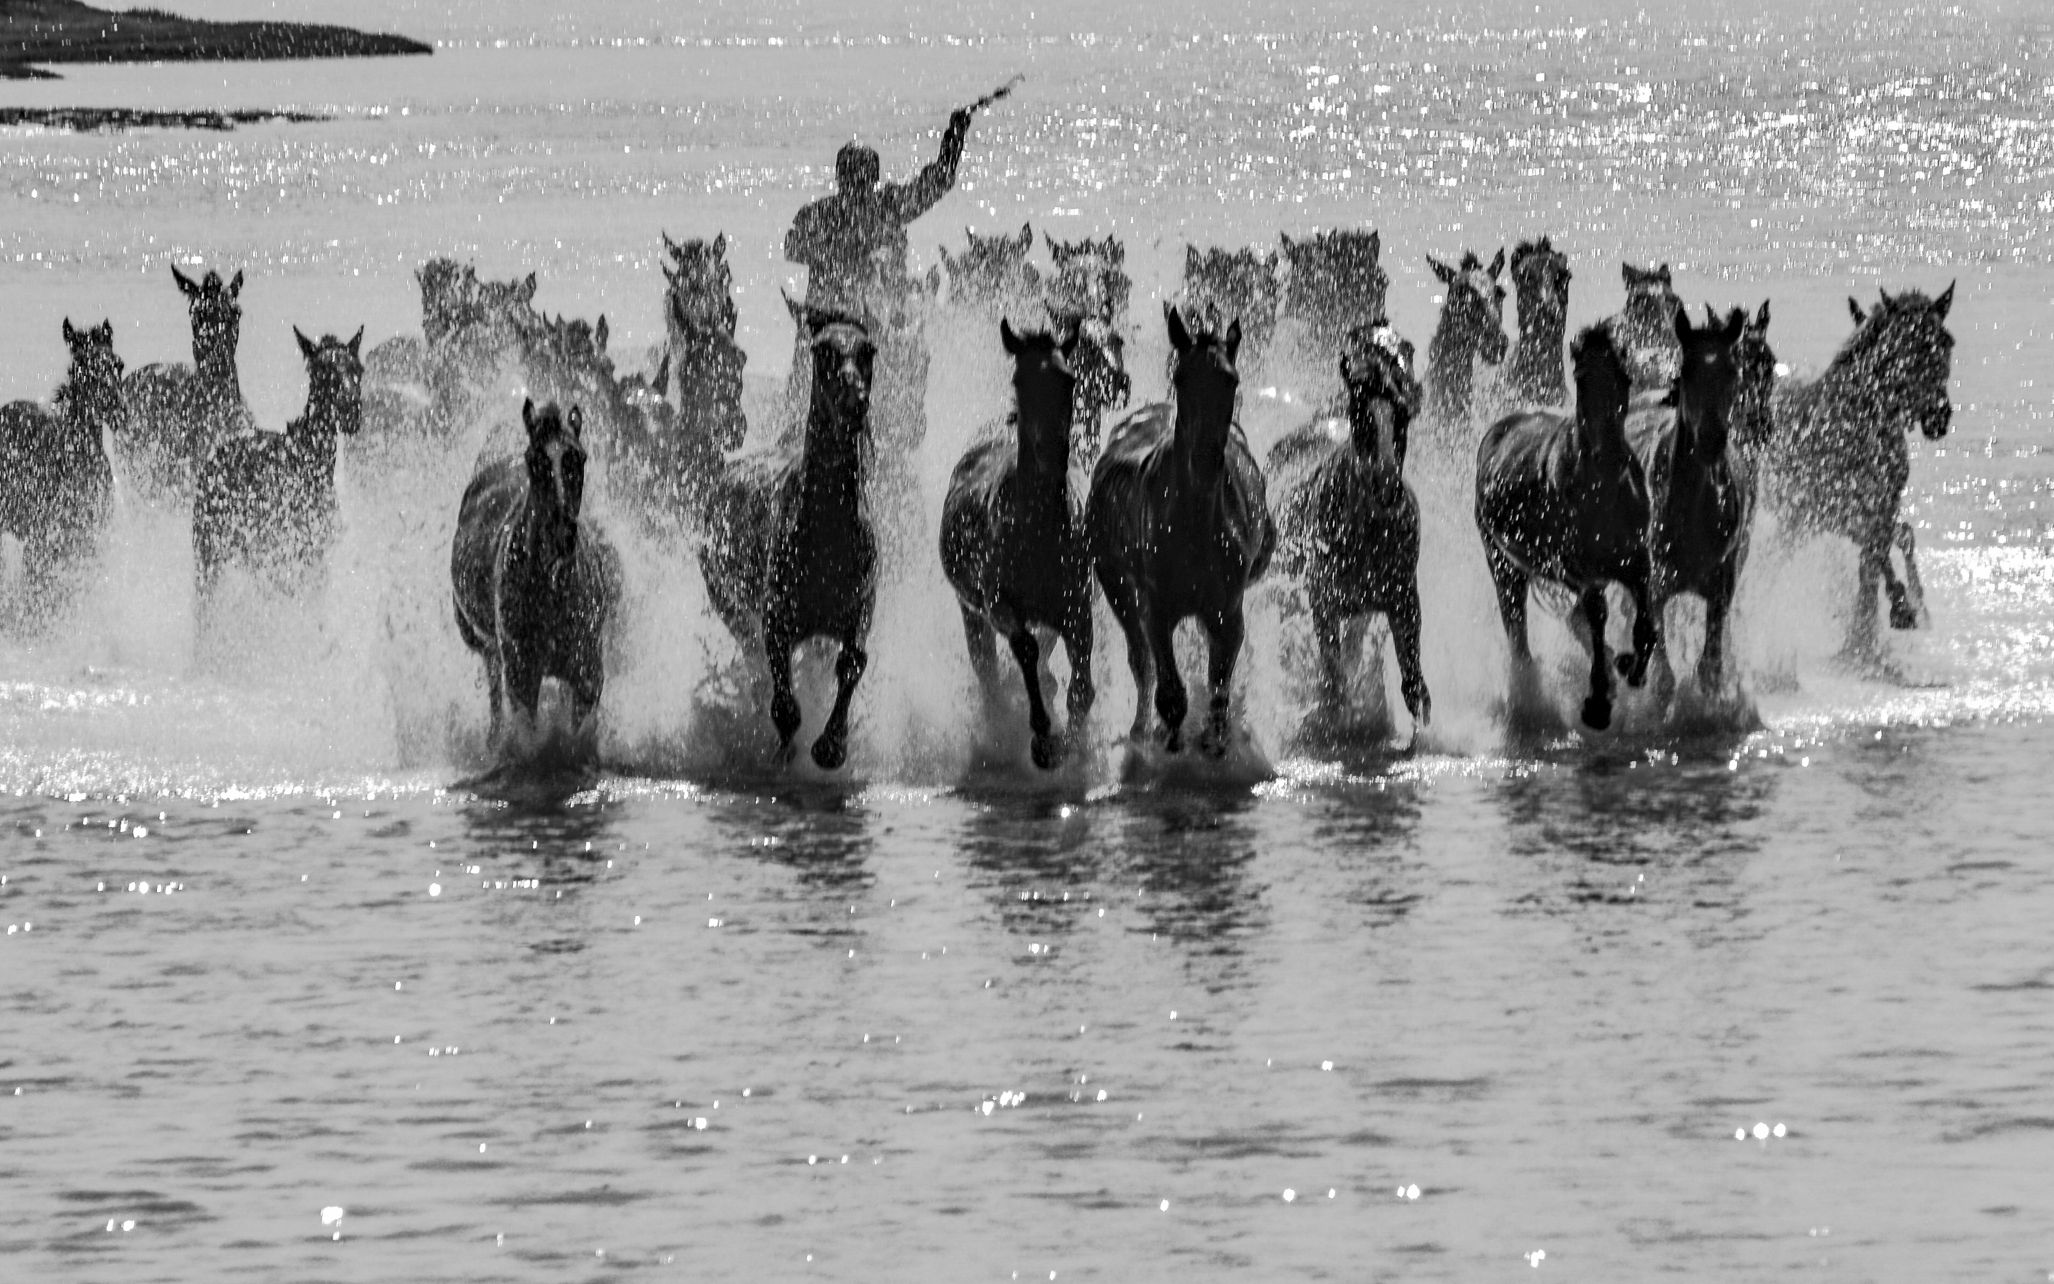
x: 959, y: 120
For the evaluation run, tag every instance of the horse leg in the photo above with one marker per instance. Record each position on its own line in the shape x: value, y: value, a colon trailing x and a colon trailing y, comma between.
x: 1405, y: 617
x: 1647, y: 633
x: 495, y: 694
x: 1597, y: 707
x: 978, y: 636
x: 1873, y: 565
x: 1510, y: 583
x: 1171, y: 702
x: 1226, y: 633
x: 1327, y: 628
x: 523, y: 681
x: 1140, y: 660
x: 831, y: 750
x: 1711, y: 661
x: 1905, y: 607
x: 784, y: 706
x: 1076, y: 635
x: 1027, y: 654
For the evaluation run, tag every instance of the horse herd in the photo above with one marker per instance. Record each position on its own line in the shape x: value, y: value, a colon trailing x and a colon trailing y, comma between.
x: 1646, y: 477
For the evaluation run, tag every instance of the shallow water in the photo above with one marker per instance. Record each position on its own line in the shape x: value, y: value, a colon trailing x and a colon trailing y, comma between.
x: 267, y: 956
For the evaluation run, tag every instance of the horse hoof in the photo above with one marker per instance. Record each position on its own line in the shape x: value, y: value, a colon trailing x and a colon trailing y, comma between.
x: 1047, y: 752
x: 1903, y: 617
x: 1597, y: 714
x: 829, y: 755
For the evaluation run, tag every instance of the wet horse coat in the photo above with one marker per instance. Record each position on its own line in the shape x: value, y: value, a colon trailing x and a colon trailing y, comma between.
x: 1534, y: 374
x: 177, y: 413
x: 55, y: 482
x: 1472, y: 326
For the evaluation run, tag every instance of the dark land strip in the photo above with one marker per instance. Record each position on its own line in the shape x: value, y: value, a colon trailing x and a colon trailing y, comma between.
x: 35, y: 32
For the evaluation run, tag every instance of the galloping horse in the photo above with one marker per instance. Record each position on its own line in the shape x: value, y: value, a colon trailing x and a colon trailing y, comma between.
x: 705, y: 362
x: 267, y: 500
x: 1090, y: 279
x: 1012, y: 538
x: 1332, y: 285
x: 790, y: 552
x: 1700, y: 491
x: 176, y: 413
x: 55, y: 482
x: 533, y: 581
x: 1179, y: 526
x: 1472, y: 325
x: 993, y: 273
x: 1643, y: 330
x: 1540, y: 277
x: 1837, y: 462
x: 1561, y: 499
x: 1235, y: 283
x: 1348, y: 525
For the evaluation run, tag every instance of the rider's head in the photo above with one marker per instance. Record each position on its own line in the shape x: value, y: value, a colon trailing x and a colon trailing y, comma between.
x: 855, y: 168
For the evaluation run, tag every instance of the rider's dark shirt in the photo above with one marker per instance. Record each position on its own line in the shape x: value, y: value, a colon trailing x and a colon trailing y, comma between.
x: 854, y: 244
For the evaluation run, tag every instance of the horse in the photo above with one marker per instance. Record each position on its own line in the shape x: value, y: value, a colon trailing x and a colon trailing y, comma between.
x: 1098, y: 363
x: 1333, y: 284
x: 1540, y: 277
x: 1090, y: 279
x: 1012, y: 538
x: 1472, y: 325
x: 1561, y: 499
x: 1347, y: 523
x: 265, y: 500
x: 1179, y: 526
x: 1754, y: 401
x: 1700, y: 491
x: 533, y: 580
x: 176, y: 413
x: 1237, y: 283
x: 1643, y: 329
x: 993, y: 272
x: 55, y: 482
x: 468, y: 328
x: 705, y: 363
x: 1837, y: 462
x: 790, y: 552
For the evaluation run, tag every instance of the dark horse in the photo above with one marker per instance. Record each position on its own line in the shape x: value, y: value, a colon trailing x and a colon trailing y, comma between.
x: 1561, y: 499
x: 1333, y: 283
x: 1837, y: 462
x: 1012, y: 538
x: 993, y: 272
x: 1472, y: 325
x: 267, y: 500
x: 1179, y: 526
x: 533, y: 580
x: 177, y: 413
x: 55, y: 483
x: 706, y: 364
x: 1540, y: 278
x: 1348, y: 525
x: 790, y: 552
x: 1700, y: 491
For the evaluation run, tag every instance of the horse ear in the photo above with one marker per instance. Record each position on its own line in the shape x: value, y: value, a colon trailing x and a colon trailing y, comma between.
x: 1679, y: 321
x: 356, y: 340
x: 528, y: 415
x: 663, y: 373
x: 1026, y: 237
x: 1050, y: 242
x: 1711, y: 314
x: 70, y: 335
x: 1855, y: 307
x: 720, y: 244
x: 306, y: 345
x: 577, y: 422
x: 186, y: 285
x: 599, y: 335
x: 1192, y: 263
x: 1761, y: 318
x: 1233, y: 339
x: 1180, y: 338
x: 526, y: 293
x: 1116, y: 251
x: 235, y: 286
x: 1376, y: 245
x: 1662, y: 274
x: 670, y: 247
x: 796, y: 308
x: 1629, y: 273
x: 1498, y: 263
x: 1736, y: 323
x: 1441, y: 270
x: 1944, y: 302
x: 1006, y: 337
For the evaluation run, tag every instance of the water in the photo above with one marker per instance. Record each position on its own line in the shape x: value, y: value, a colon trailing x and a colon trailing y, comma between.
x: 1552, y: 976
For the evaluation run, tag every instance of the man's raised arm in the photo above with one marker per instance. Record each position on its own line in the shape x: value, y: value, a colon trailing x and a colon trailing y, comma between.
x: 909, y: 201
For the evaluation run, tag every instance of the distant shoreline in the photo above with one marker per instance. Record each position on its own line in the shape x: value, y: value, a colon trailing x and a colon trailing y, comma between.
x: 36, y: 32
x: 86, y: 119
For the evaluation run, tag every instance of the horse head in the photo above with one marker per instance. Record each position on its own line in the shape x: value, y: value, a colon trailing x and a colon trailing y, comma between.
x: 335, y: 381
x: 1707, y: 379
x: 1100, y: 363
x: 1044, y: 390
x: 1090, y: 277
x: 1383, y: 395
x: 91, y: 394
x: 217, y: 321
x: 441, y: 285
x: 699, y: 286
x: 844, y: 360
x: 1603, y: 386
x: 1541, y: 276
x: 1474, y: 310
x: 993, y: 267
x: 1334, y: 279
x: 1754, y: 419
x: 1205, y: 378
x: 1904, y: 348
x: 555, y: 460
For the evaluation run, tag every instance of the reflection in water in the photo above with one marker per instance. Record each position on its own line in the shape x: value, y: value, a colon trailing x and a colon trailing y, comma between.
x: 1039, y: 859
x: 1190, y: 853
x: 1372, y: 836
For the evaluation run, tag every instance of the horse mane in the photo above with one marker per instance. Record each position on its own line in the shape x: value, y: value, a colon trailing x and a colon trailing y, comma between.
x: 1526, y: 249
x: 1868, y: 336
